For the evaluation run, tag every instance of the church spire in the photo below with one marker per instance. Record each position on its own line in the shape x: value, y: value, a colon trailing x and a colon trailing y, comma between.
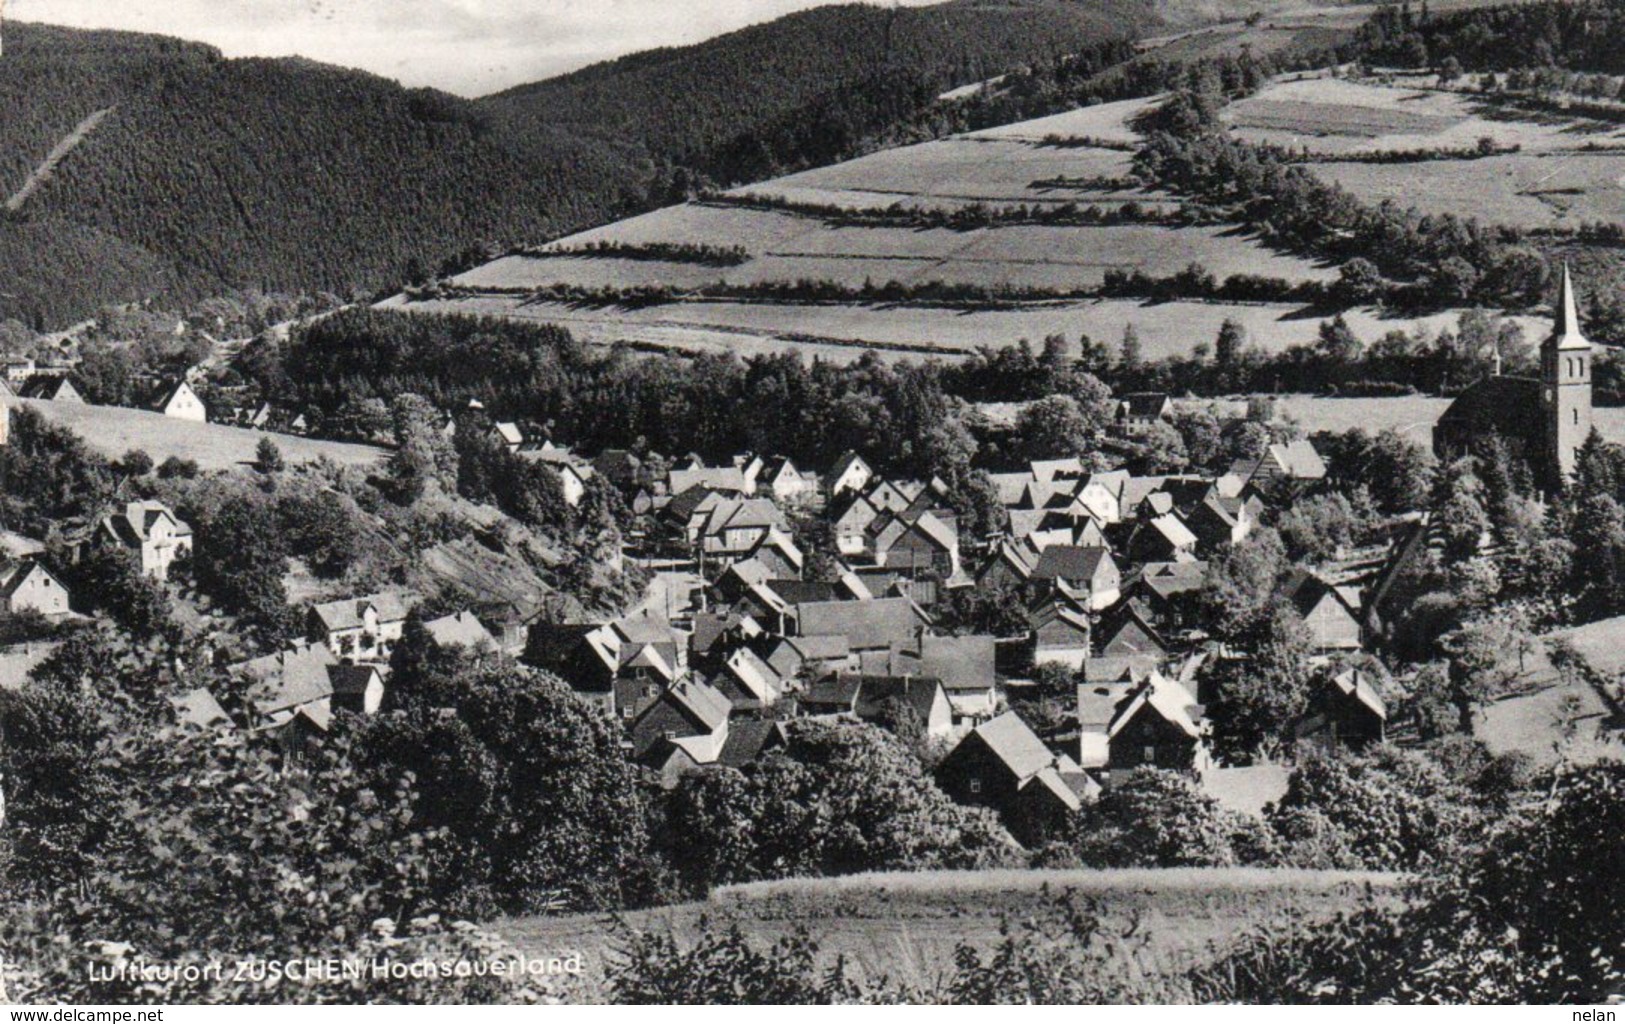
x: 1566, y: 330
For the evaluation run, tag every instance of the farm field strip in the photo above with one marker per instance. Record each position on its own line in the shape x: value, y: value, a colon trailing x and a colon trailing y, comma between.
x: 845, y: 331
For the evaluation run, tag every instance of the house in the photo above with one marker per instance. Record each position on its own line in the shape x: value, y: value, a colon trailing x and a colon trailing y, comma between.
x: 1138, y: 413
x: 508, y: 435
x: 29, y: 586
x: 1087, y: 573
x: 621, y: 665
x: 1153, y: 722
x: 360, y: 628
x: 1168, y: 590
x: 1012, y: 563
x: 786, y: 483
x: 748, y: 682
x: 778, y: 552
x: 1101, y: 496
x: 1332, y: 612
x: 573, y: 472
x: 1163, y: 538
x: 1345, y: 710
x: 279, y: 685
x: 17, y: 370
x: 1128, y: 629
x: 461, y: 630
x: 356, y: 688
x: 924, y: 695
x: 688, y: 713
x: 152, y: 531
x: 1296, y: 462
x: 965, y: 665
x: 916, y: 543
x: 1003, y: 765
x: 52, y: 389
x: 726, y: 480
x: 811, y: 657
x: 1060, y: 633
x: 1219, y: 522
x: 852, y: 536
x: 749, y: 739
x: 849, y: 475
x: 866, y: 625
x: 180, y: 402
x: 731, y: 527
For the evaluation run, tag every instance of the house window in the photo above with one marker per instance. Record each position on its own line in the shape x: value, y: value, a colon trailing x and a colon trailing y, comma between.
x: 671, y: 734
x: 1150, y: 754
x: 975, y: 785
x: 1576, y: 417
x: 626, y: 712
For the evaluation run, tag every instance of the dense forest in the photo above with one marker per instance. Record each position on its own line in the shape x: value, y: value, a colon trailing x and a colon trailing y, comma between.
x: 1578, y: 36
x: 803, y: 89
x: 211, y: 174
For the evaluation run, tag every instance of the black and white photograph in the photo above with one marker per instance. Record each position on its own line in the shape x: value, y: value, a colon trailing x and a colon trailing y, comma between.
x: 790, y: 502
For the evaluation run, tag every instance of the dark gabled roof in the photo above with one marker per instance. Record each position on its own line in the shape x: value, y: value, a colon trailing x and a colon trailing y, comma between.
x: 683, y: 504
x: 1145, y: 403
x: 877, y: 623
x: 918, y: 692
x: 1123, y: 615
x: 807, y: 591
x: 702, y: 702
x: 834, y: 691
x: 15, y: 576
x: 961, y: 662
x: 1305, y: 589
x: 1498, y: 405
x: 351, y: 679
x: 748, y: 740
x: 47, y: 387
x: 1058, y: 609
x: 1355, y: 684
x: 1014, y: 743
x: 1067, y: 562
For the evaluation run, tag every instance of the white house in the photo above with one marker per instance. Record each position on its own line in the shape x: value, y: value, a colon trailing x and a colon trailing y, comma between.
x: 182, y: 403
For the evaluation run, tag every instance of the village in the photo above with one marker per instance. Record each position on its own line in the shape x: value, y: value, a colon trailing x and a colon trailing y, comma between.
x: 743, y: 631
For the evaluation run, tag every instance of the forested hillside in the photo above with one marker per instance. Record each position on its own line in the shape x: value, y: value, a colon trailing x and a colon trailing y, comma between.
x: 803, y: 89
x: 207, y: 174
x: 211, y: 174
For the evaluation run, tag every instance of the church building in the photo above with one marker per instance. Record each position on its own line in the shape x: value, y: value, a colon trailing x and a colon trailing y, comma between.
x: 1544, y: 420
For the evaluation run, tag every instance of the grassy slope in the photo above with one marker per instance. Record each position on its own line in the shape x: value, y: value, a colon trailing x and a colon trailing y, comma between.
x: 906, y: 925
x: 113, y: 431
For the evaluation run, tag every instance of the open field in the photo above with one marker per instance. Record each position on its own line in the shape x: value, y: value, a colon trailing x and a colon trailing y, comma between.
x: 1551, y: 181
x: 906, y: 925
x: 843, y: 332
x: 1019, y: 255
x: 1532, y: 191
x: 1412, y: 415
x: 113, y: 430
